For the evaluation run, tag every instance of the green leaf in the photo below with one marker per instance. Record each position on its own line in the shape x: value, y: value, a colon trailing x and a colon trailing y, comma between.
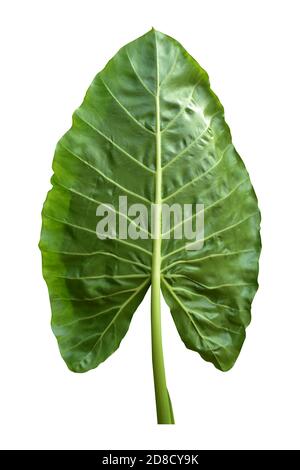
x: 151, y: 129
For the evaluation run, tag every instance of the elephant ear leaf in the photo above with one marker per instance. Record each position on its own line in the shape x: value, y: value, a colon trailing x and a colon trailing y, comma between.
x: 150, y: 129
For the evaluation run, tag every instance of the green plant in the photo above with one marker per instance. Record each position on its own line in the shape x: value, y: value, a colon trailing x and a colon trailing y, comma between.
x: 150, y: 128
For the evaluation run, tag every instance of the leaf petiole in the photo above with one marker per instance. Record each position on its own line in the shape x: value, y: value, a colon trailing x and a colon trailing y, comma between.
x: 163, y: 402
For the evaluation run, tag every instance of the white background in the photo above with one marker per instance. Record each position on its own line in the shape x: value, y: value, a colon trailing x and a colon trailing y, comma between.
x: 50, y: 51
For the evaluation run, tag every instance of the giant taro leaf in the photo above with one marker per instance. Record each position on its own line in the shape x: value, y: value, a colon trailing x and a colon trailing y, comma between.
x: 151, y: 129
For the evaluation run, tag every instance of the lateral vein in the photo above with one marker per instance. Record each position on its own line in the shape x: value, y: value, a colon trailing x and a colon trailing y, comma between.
x: 113, y: 143
x: 106, y: 177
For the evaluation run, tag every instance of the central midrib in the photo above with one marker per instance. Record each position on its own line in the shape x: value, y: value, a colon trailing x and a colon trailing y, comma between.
x: 156, y: 262
x: 158, y: 173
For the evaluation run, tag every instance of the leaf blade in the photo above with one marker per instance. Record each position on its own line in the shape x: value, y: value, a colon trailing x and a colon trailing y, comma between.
x: 111, y: 151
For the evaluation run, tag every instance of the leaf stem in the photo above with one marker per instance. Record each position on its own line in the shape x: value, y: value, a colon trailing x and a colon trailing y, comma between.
x: 163, y: 402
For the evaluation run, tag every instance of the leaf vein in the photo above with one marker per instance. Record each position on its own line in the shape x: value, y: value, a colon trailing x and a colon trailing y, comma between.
x: 182, y: 109
x: 93, y: 231
x: 104, y: 253
x: 113, y: 142
x: 211, y: 235
x: 77, y: 320
x: 208, y: 207
x: 113, y: 320
x: 205, y: 338
x: 125, y: 109
x: 187, y: 261
x: 138, y: 75
x: 84, y: 196
x: 91, y: 299
x: 106, y: 177
x: 190, y: 292
x: 198, y: 178
x: 170, y: 70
